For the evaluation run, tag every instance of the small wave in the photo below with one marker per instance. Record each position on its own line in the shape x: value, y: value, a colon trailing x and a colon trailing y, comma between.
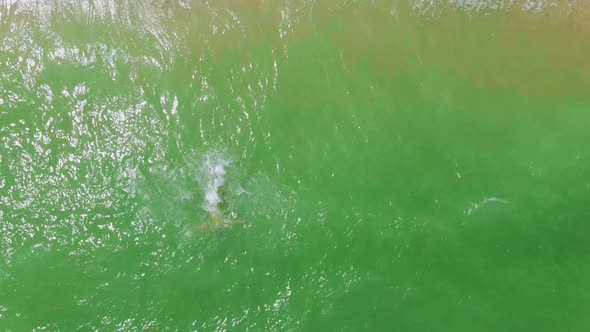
x: 476, y: 206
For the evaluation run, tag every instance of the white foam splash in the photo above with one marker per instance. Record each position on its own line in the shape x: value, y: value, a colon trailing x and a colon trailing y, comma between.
x: 214, y: 172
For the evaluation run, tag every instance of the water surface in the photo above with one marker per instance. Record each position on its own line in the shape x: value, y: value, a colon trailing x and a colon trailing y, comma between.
x: 405, y: 166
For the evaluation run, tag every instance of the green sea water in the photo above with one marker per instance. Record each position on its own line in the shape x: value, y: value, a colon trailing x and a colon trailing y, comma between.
x: 397, y: 166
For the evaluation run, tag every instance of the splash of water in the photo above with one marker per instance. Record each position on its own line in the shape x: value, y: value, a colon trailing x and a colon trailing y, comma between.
x: 214, y: 177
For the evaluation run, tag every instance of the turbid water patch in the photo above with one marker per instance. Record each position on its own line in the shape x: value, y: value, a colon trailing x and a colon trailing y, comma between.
x: 406, y: 166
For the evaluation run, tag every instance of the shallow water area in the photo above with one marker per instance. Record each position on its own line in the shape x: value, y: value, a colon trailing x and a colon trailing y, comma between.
x: 390, y: 165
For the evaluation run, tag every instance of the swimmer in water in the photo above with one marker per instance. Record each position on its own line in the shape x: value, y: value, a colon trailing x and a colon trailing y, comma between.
x: 216, y: 221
